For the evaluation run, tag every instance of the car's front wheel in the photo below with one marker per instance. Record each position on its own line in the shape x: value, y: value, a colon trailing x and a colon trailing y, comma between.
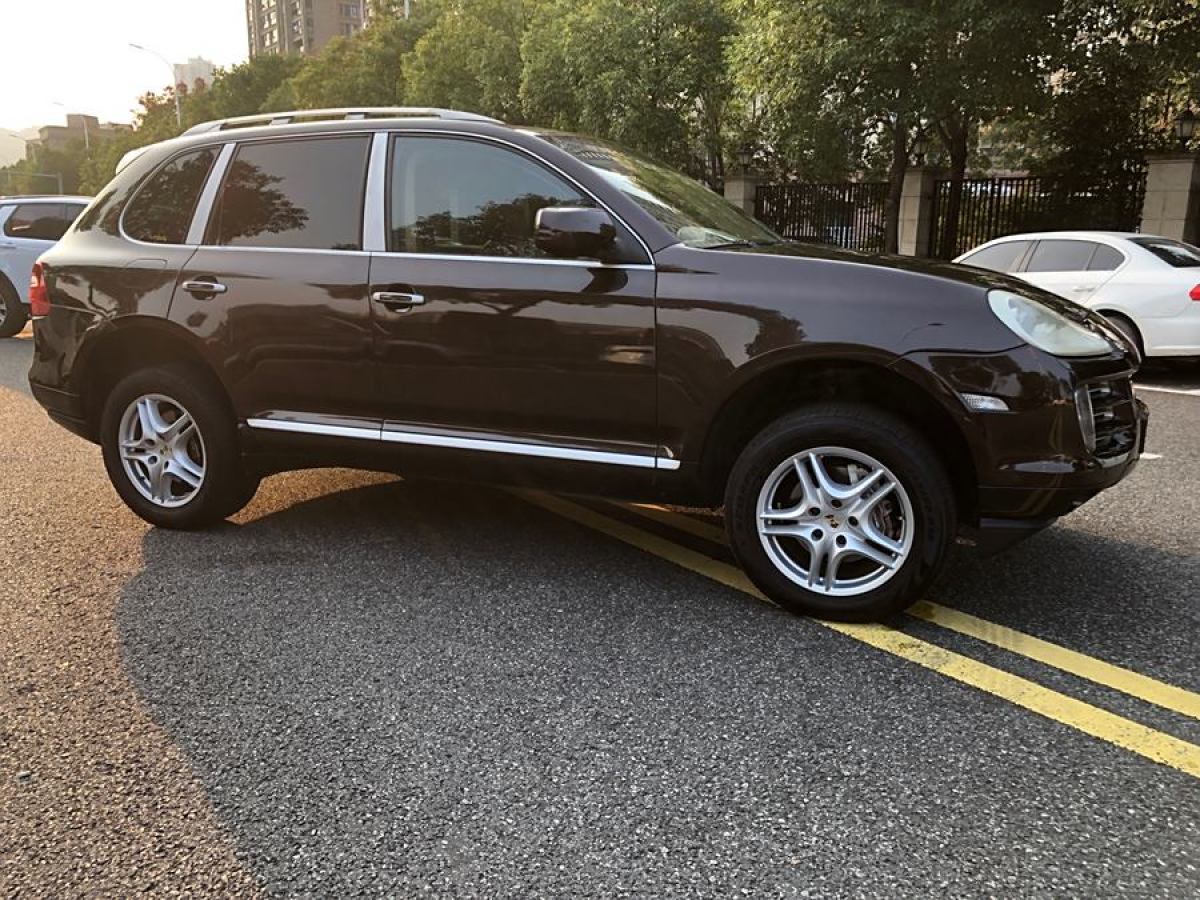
x: 171, y: 451
x: 840, y: 511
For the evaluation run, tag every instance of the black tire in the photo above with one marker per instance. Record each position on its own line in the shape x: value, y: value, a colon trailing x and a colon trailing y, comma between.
x: 1127, y: 328
x: 13, y: 314
x: 889, y: 441
x: 225, y: 488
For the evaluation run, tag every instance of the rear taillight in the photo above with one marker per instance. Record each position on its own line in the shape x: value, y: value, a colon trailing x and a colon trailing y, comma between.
x: 39, y: 296
x: 1194, y: 293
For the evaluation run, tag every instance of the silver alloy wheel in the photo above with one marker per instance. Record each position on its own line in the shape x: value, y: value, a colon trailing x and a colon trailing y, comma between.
x: 162, y: 450
x: 835, y: 521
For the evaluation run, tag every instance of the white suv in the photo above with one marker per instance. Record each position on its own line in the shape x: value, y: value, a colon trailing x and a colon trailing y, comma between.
x: 29, y: 226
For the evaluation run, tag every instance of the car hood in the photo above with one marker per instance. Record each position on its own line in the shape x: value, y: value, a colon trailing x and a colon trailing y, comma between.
x: 983, y: 279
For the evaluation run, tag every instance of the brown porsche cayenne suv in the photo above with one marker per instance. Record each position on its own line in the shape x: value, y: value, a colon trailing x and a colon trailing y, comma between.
x: 438, y: 294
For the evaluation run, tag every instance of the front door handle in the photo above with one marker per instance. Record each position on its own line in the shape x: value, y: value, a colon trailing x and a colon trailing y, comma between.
x: 7, y: 245
x: 396, y: 300
x: 202, y: 286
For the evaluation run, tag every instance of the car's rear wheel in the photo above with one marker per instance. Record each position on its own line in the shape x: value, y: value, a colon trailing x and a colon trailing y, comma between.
x: 840, y: 511
x: 171, y: 451
x: 13, y: 314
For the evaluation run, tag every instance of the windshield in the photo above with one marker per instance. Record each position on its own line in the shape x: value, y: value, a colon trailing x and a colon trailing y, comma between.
x: 689, y: 210
x: 1176, y: 253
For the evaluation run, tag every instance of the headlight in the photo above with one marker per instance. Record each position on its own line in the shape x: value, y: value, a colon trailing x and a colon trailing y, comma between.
x: 1044, y: 328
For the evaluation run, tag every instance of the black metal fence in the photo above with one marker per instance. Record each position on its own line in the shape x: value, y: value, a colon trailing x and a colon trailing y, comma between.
x: 994, y: 207
x: 845, y: 215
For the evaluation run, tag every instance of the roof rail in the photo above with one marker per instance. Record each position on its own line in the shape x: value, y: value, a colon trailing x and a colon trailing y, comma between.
x: 354, y: 112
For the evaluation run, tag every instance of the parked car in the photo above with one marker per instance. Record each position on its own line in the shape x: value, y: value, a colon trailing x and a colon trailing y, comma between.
x: 435, y: 293
x: 29, y: 226
x: 1147, y: 286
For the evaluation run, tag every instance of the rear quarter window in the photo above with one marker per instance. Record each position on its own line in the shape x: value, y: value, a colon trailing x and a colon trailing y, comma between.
x: 161, y: 212
x: 1173, y: 253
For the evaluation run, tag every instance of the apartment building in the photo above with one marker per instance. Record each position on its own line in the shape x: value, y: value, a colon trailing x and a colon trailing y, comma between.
x: 301, y: 26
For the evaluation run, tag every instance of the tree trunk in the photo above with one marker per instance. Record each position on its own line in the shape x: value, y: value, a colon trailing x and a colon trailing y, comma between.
x: 955, y: 135
x: 899, y: 164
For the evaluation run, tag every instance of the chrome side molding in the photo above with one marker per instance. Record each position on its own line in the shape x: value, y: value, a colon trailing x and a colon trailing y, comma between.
x: 394, y: 435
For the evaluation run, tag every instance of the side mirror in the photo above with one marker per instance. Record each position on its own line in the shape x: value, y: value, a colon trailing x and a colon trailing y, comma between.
x: 575, y: 232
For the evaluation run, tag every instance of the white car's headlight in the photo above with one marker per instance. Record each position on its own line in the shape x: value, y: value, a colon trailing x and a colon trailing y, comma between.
x: 1044, y: 328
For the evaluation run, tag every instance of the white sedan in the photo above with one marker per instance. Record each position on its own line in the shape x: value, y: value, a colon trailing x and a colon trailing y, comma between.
x: 1147, y: 286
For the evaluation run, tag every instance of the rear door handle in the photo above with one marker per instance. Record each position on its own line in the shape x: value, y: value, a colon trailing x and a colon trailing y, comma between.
x: 7, y: 245
x: 201, y: 286
x: 397, y: 300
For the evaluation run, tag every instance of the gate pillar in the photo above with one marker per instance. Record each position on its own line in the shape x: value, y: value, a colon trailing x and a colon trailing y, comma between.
x: 1172, y: 205
x: 916, y: 211
x: 741, y: 188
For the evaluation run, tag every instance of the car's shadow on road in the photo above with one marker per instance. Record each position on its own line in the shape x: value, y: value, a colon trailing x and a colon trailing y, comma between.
x: 400, y: 687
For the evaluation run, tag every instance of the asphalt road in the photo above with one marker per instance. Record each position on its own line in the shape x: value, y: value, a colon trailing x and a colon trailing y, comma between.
x: 368, y: 686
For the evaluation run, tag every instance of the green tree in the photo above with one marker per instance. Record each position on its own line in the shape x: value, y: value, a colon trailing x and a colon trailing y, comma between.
x: 365, y: 69
x: 470, y: 57
x: 41, y: 173
x: 984, y: 61
x: 1128, y: 69
x: 835, y: 74
x: 647, y: 73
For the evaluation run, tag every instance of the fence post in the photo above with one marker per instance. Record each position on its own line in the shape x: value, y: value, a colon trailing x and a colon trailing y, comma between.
x: 916, y: 211
x: 1172, y: 205
x: 741, y: 188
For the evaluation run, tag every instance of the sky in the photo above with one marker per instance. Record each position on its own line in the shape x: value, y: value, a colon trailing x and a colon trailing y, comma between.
x: 77, y: 53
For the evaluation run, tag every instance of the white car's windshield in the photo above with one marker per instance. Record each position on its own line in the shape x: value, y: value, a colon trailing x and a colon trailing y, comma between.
x: 694, y: 214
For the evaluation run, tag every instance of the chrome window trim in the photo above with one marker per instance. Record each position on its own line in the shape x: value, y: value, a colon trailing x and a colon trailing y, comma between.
x: 374, y: 237
x: 487, y: 138
x: 188, y: 238
x: 282, y: 250
x: 421, y: 438
x: 208, y: 196
x: 523, y: 260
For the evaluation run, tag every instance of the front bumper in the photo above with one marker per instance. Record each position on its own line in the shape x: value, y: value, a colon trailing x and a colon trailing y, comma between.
x: 1033, y: 463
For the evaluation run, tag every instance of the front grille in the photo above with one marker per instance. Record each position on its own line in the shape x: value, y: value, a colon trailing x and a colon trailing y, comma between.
x: 1114, y: 416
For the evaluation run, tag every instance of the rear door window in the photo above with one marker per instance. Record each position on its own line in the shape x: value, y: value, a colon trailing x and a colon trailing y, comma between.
x: 162, y: 211
x: 999, y: 257
x: 40, y: 221
x: 1061, y: 256
x: 294, y: 194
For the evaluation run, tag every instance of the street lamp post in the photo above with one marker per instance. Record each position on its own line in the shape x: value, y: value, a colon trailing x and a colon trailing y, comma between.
x: 174, y: 86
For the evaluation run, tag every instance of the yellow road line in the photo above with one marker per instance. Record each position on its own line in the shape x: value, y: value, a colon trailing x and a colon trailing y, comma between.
x: 1134, y: 684
x: 1116, y: 677
x: 1117, y: 730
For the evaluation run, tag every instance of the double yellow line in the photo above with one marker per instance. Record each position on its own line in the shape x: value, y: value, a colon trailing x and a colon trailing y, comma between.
x: 1099, y: 723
